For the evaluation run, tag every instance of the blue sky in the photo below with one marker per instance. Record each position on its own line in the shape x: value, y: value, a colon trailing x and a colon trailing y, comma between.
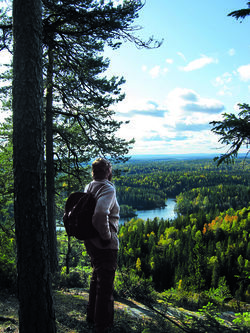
x: 201, y: 70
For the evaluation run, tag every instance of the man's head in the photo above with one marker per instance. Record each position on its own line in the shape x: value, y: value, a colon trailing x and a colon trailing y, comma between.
x: 101, y: 169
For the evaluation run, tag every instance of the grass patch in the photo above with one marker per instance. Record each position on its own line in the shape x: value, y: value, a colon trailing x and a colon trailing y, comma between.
x: 130, y: 316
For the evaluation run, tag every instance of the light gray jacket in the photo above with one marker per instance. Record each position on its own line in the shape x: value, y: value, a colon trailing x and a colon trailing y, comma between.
x: 106, y: 214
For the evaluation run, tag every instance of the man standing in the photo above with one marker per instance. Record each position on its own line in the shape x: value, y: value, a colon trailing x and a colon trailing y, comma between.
x: 103, y: 249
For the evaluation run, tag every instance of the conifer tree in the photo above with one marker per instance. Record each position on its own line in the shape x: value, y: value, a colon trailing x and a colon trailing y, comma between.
x: 234, y: 131
x: 36, y: 312
x: 79, y: 122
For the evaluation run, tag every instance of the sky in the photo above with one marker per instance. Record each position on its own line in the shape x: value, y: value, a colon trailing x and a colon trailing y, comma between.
x: 201, y: 71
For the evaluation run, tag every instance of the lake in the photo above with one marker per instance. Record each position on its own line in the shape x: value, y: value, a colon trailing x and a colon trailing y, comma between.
x: 166, y: 212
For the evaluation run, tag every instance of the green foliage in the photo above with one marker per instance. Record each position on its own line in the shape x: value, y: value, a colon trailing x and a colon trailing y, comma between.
x: 76, y: 278
x: 201, y: 255
x: 221, y: 293
x: 147, y: 184
x: 7, y: 236
x: 7, y: 260
x: 6, y: 178
x: 242, y: 319
x: 78, y: 96
x: 215, y: 321
x: 220, y: 198
x: 179, y: 297
x: 129, y: 285
x: 234, y: 132
x: 241, y: 13
x: 127, y: 211
x: 74, y: 263
x: 72, y: 252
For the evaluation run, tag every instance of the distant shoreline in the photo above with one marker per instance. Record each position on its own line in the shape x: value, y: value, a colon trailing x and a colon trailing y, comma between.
x: 177, y: 156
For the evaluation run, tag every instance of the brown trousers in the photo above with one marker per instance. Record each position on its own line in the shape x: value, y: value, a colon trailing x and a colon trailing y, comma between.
x: 100, y: 308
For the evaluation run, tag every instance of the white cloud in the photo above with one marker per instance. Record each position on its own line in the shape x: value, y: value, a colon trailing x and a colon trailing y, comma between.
x: 4, y: 115
x: 180, y: 54
x: 5, y: 59
x: 169, y: 61
x: 223, y: 82
x: 244, y: 72
x: 116, y: 2
x: 225, y: 91
x: 223, y: 79
x: 236, y: 108
x: 179, y: 123
x: 132, y: 102
x: 231, y: 52
x: 186, y: 106
x: 198, y: 63
x: 155, y: 71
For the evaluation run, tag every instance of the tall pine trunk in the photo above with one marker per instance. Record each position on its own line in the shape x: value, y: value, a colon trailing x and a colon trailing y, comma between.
x: 36, y: 311
x: 50, y: 169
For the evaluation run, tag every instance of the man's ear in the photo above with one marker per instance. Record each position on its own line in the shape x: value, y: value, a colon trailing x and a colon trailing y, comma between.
x: 110, y: 175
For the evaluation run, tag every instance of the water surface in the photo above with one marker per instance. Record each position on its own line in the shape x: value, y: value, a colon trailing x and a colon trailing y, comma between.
x: 165, y: 213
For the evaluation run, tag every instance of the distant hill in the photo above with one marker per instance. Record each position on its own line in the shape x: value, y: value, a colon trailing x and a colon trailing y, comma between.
x: 160, y: 157
x: 173, y: 156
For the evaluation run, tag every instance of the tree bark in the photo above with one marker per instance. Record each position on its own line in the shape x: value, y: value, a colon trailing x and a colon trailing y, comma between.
x: 50, y: 170
x: 36, y: 310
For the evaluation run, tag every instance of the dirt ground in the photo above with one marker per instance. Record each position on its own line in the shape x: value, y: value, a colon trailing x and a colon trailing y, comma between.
x: 130, y: 316
x: 70, y: 308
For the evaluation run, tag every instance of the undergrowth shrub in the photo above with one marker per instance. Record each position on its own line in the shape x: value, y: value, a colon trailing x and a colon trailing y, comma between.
x: 129, y: 285
x: 7, y: 261
x: 77, y: 278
